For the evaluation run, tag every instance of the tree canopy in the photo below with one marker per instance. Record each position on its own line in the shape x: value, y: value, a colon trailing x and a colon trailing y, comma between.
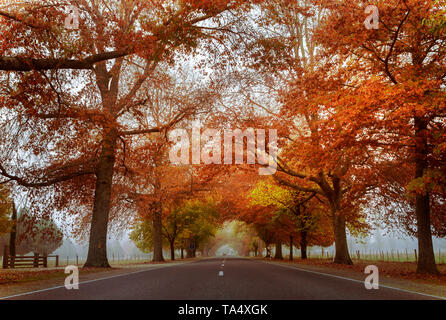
x: 87, y: 116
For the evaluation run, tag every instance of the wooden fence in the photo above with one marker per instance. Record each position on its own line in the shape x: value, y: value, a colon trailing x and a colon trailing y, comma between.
x: 404, y: 255
x: 35, y: 261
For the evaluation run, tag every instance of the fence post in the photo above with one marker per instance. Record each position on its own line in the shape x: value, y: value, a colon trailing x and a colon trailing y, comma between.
x: 5, y: 257
x: 36, y: 260
x: 77, y: 260
x: 398, y: 255
x: 407, y: 256
x: 67, y: 260
x: 45, y: 261
x: 416, y: 256
x: 57, y: 261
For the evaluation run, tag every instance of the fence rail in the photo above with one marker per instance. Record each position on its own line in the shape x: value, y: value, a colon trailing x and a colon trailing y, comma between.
x: 405, y: 255
x: 18, y: 261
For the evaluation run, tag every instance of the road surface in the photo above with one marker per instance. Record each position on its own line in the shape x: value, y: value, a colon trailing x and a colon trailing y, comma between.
x: 222, y: 279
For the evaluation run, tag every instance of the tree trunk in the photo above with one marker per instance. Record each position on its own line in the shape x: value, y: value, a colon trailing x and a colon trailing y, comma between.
x: 303, y: 245
x: 157, y: 234
x: 268, y: 251
x: 278, y: 254
x: 190, y: 253
x: 36, y: 260
x: 172, y: 250
x: 341, y: 247
x: 182, y: 253
x: 97, y: 250
x: 291, y: 248
x: 13, y: 234
x: 426, y: 257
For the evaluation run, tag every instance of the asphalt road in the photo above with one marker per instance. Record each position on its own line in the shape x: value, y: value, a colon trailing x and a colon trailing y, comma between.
x: 238, y: 279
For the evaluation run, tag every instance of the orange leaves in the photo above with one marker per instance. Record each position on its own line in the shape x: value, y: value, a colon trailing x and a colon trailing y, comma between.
x: 387, y: 115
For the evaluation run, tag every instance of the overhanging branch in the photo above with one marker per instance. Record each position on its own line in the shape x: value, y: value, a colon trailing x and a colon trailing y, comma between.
x: 28, y: 64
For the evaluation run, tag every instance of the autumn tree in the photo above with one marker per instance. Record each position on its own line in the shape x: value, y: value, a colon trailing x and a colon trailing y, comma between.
x: 174, y: 226
x: 307, y: 215
x: 45, y: 22
x: 39, y: 235
x: 193, y: 222
x: 205, y: 216
x: 393, y: 102
x: 85, y: 129
x: 308, y: 161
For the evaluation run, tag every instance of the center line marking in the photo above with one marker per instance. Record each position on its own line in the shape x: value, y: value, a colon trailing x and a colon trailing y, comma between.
x: 220, y: 273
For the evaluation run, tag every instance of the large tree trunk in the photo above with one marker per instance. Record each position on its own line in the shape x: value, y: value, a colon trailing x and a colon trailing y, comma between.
x: 182, y: 253
x: 341, y: 247
x: 172, y: 250
x: 97, y: 250
x: 13, y: 234
x: 303, y: 245
x: 278, y: 254
x: 291, y: 248
x: 157, y: 234
x: 426, y: 258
